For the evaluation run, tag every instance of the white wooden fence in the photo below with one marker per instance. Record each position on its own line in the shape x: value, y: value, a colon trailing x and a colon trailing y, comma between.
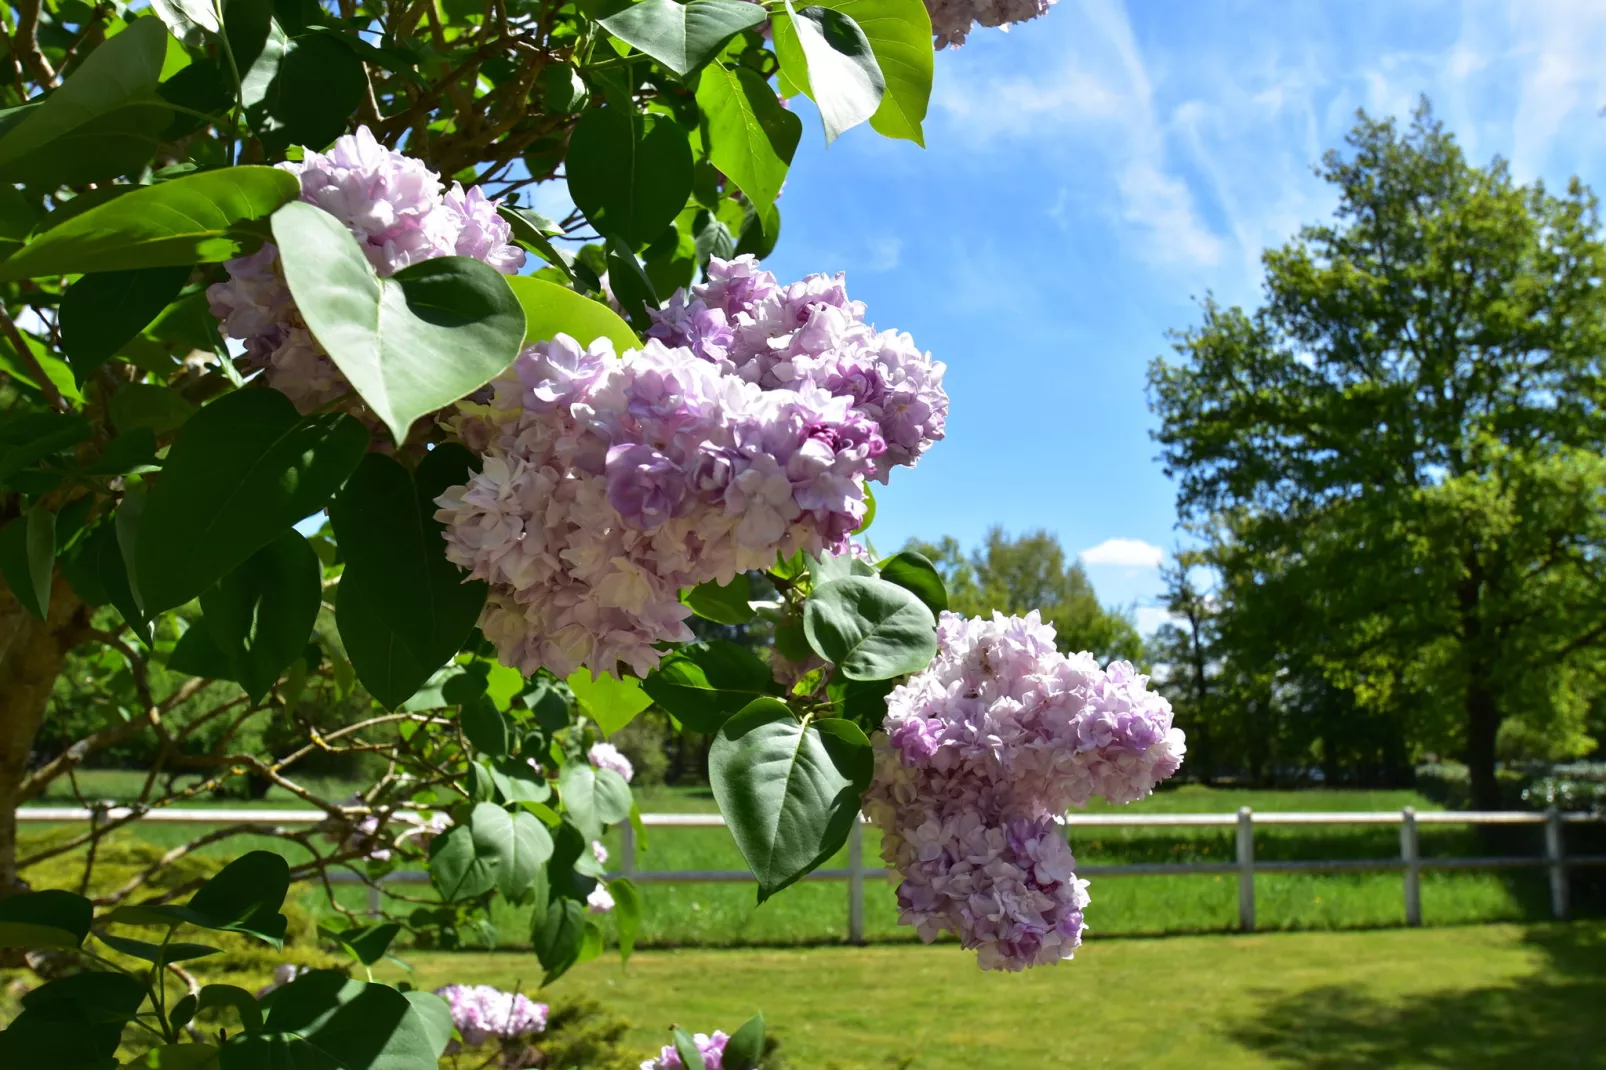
x: 1410, y: 861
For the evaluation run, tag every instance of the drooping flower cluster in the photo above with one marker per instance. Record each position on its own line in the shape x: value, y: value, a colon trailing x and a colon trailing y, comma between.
x: 483, y: 1013
x: 399, y: 212
x: 951, y: 20
x: 982, y: 751
x: 607, y: 756
x: 610, y: 483
x: 711, y: 1048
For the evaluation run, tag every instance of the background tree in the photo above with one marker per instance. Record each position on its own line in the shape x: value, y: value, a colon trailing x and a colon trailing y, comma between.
x: 1016, y: 575
x: 1401, y: 448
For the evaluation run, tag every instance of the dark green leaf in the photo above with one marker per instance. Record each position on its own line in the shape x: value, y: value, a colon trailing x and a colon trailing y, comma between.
x: 260, y: 616
x: 158, y: 409
x: 178, y: 1057
x: 593, y: 797
x: 518, y: 783
x: 839, y: 69
x: 534, y: 231
x: 557, y: 936
x: 705, y: 683
x: 157, y: 954
x: 242, y: 1001
x: 860, y: 700
x: 411, y: 343
x: 101, y: 312
x: 626, y: 914
x: 686, y: 1048
x: 243, y: 469
x: 628, y: 280
x: 611, y: 701
x: 198, y: 219
x: 629, y: 173
x: 750, y: 137
x: 123, y: 454
x: 683, y: 37
x: 188, y: 20
x: 789, y: 793
x: 746, y: 1046
x: 870, y: 629
x: 435, y: 1016
x: 485, y: 727
x: 403, y: 609
x: 102, y: 122
x: 301, y: 90
x: 915, y: 572
x: 28, y: 439
x: 245, y: 897
x: 197, y: 653
x: 28, y: 559
x: 572, y: 871
x: 83, y: 1013
x: 529, y: 850
x: 725, y: 604
x: 551, y: 310
x: 323, y: 1020
x: 50, y: 918
x: 370, y: 943
x: 470, y: 860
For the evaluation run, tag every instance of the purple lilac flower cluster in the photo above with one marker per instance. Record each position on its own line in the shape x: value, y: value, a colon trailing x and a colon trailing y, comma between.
x: 711, y: 1048
x: 604, y: 755
x: 400, y: 214
x: 611, y: 483
x: 952, y: 20
x: 483, y: 1013
x: 982, y: 751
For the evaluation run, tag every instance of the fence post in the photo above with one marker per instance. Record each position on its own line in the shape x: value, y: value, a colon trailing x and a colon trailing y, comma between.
x: 374, y: 906
x: 1555, y: 854
x: 856, y: 883
x: 1411, y: 855
x: 627, y: 849
x: 1246, y: 870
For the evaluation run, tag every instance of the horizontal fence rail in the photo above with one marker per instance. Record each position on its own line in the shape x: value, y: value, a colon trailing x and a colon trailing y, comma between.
x: 1410, y: 861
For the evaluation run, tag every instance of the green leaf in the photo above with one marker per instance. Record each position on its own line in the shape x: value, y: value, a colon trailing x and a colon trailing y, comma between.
x: 261, y: 614
x: 323, y: 1021
x: 85, y: 1014
x: 411, y: 343
x: 629, y: 173
x: 838, y: 69
x: 26, y: 440
x: 828, y: 567
x: 178, y: 1057
x: 556, y: 937
x: 494, y: 848
x: 243, y: 469
x: 529, y: 850
x: 159, y: 409
x: 611, y: 701
x: 551, y: 310
x: 131, y: 450
x: 518, y: 783
x: 485, y: 727
x: 368, y: 944
x: 626, y: 914
x: 243, y: 1002
x: 104, y: 121
x: 573, y: 869
x: 245, y: 897
x: 188, y: 20
x: 50, y: 918
x: 746, y: 1046
x: 629, y: 282
x: 750, y: 137
x: 727, y: 604
x: 870, y: 629
x: 593, y: 797
x: 899, y: 32
x: 402, y: 608
x: 686, y: 1048
x: 301, y: 90
x: 915, y: 572
x: 28, y: 558
x: 435, y: 1016
x: 102, y: 312
x: 704, y: 683
x: 56, y: 370
x: 859, y: 700
x: 535, y: 231
x: 157, y: 954
x: 683, y: 37
x: 789, y: 792
x: 198, y: 219
x: 197, y: 653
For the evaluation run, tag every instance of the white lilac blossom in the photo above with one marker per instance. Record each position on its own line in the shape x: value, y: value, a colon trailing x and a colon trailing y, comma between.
x: 952, y: 20
x: 981, y: 751
x: 711, y: 1048
x: 600, y: 901
x: 364, y: 838
x: 610, y: 483
x: 483, y: 1013
x: 400, y: 214
x: 607, y: 756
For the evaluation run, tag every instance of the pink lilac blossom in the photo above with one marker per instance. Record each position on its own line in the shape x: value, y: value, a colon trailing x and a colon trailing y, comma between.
x: 610, y: 483
x: 400, y: 214
x: 711, y: 1048
x: 607, y: 756
x: 980, y: 752
x: 483, y: 1013
x: 599, y: 852
x: 810, y: 333
x: 952, y: 20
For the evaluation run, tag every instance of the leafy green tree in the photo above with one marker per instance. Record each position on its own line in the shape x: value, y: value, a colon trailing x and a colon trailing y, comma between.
x: 1398, y: 455
x: 1016, y: 575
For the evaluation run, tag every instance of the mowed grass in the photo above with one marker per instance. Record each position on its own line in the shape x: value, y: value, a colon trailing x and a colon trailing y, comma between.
x: 712, y: 915
x: 1491, y: 996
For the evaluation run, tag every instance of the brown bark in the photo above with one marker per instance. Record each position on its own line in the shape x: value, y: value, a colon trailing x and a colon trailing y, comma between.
x: 31, y: 655
x: 1483, y: 727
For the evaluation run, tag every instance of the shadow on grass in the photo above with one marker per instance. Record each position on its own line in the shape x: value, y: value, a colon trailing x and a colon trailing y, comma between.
x: 1552, y: 1018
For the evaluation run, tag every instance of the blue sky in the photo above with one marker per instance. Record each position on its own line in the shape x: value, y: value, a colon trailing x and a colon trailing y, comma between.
x: 1090, y: 174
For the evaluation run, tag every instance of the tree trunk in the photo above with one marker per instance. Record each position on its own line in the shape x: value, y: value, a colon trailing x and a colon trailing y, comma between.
x: 31, y: 654
x: 1483, y: 725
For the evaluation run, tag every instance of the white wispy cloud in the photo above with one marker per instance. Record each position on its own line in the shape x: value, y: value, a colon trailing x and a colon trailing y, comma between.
x: 1128, y: 553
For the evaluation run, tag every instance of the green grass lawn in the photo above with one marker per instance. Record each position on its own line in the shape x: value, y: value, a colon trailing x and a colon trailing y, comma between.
x: 1504, y: 996
x: 816, y: 913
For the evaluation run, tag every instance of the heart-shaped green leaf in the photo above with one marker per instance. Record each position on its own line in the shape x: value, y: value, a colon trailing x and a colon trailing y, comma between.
x: 870, y: 629
x: 705, y: 683
x: 629, y: 173
x: 607, y: 699
x: 411, y: 343
x: 683, y: 37
x: 593, y: 797
x: 750, y: 137
x: 831, y: 60
x: 551, y: 310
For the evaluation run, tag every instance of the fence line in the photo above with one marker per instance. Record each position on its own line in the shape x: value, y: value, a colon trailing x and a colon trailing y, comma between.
x: 1410, y: 862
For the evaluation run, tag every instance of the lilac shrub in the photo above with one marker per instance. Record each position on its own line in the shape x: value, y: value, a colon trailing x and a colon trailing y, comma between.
x: 482, y: 1013
x: 952, y: 20
x: 746, y: 426
x: 981, y: 751
x: 400, y: 213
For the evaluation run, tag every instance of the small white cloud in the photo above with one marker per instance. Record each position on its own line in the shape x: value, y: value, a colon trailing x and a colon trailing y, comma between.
x: 1128, y: 553
x: 886, y: 253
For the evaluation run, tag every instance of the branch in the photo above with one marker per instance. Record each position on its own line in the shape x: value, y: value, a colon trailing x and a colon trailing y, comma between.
x: 25, y: 44
x: 25, y: 356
